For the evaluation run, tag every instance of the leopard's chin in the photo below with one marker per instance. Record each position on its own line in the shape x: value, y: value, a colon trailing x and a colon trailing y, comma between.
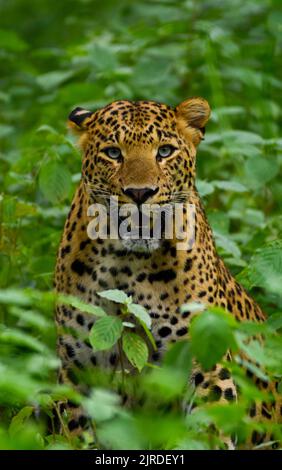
x: 141, y: 245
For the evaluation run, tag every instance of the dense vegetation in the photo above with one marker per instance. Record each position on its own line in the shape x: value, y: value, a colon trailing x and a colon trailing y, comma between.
x: 58, y: 55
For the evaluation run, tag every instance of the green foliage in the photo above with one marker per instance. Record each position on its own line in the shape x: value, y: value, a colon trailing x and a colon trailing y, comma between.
x: 105, y: 333
x: 55, y: 57
x: 211, y: 336
x: 135, y: 349
x: 54, y: 181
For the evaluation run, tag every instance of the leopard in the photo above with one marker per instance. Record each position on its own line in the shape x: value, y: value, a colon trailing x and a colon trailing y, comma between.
x: 145, y: 152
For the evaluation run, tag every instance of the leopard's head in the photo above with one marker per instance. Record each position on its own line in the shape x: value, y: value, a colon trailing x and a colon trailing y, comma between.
x: 141, y: 151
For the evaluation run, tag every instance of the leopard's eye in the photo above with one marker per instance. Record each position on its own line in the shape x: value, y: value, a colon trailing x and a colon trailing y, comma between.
x: 165, y: 151
x: 113, y: 152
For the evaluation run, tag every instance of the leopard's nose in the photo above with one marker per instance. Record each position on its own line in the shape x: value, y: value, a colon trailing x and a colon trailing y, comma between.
x: 140, y: 195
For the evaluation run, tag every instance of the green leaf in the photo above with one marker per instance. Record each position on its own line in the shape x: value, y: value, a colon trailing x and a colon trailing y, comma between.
x: 135, y: 350
x: 104, y: 57
x: 275, y: 321
x: 14, y: 297
x: 230, y: 186
x: 228, y: 417
x: 141, y: 313
x: 227, y: 244
x: 102, y: 405
x: 83, y: 306
x: 260, y: 171
x: 166, y: 383
x: 54, y: 181
x: 242, y: 137
x: 179, y: 356
x: 115, y: 295
x: 178, y: 359
x: 21, y: 339
x: 265, y: 267
x: 211, y: 337
x: 204, y: 188
x: 121, y: 432
x: 47, y: 129
x: 18, y: 421
x: 105, y: 333
x: 32, y: 318
x: 49, y: 81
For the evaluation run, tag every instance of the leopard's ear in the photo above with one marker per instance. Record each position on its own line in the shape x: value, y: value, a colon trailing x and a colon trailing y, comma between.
x: 192, y: 116
x: 79, y: 118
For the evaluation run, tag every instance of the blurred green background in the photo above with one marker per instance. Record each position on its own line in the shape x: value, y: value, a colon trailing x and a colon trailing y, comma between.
x: 56, y: 55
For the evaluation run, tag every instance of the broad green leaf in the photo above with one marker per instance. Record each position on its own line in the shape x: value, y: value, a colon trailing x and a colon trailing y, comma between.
x: 228, y: 417
x: 121, y: 432
x: 54, y: 181
x: 265, y: 267
x: 102, y: 405
x: 151, y: 71
x: 21, y: 339
x: 275, y: 321
x: 260, y: 171
x: 32, y: 318
x: 83, y: 306
x: 255, y: 217
x: 193, y: 442
x: 227, y: 244
x: 115, y: 295
x: 16, y: 386
x: 243, y: 137
x: 228, y: 111
x: 163, y: 428
x: 268, y: 355
x: 104, y: 57
x: 204, y: 188
x: 230, y: 186
x: 51, y: 80
x: 141, y: 313
x: 18, y: 421
x: 179, y: 356
x: 135, y: 350
x: 211, y: 337
x: 166, y: 383
x: 28, y: 439
x: 105, y: 333
x: 219, y: 222
x: 46, y: 128
x: 250, y: 366
x: 247, y: 387
x: 14, y: 297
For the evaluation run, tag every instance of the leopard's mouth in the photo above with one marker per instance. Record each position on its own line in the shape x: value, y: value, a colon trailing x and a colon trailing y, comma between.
x: 141, y: 245
x: 140, y: 227
x: 143, y: 227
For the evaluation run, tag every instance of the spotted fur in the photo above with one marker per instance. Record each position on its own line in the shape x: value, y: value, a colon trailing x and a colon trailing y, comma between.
x: 160, y: 279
